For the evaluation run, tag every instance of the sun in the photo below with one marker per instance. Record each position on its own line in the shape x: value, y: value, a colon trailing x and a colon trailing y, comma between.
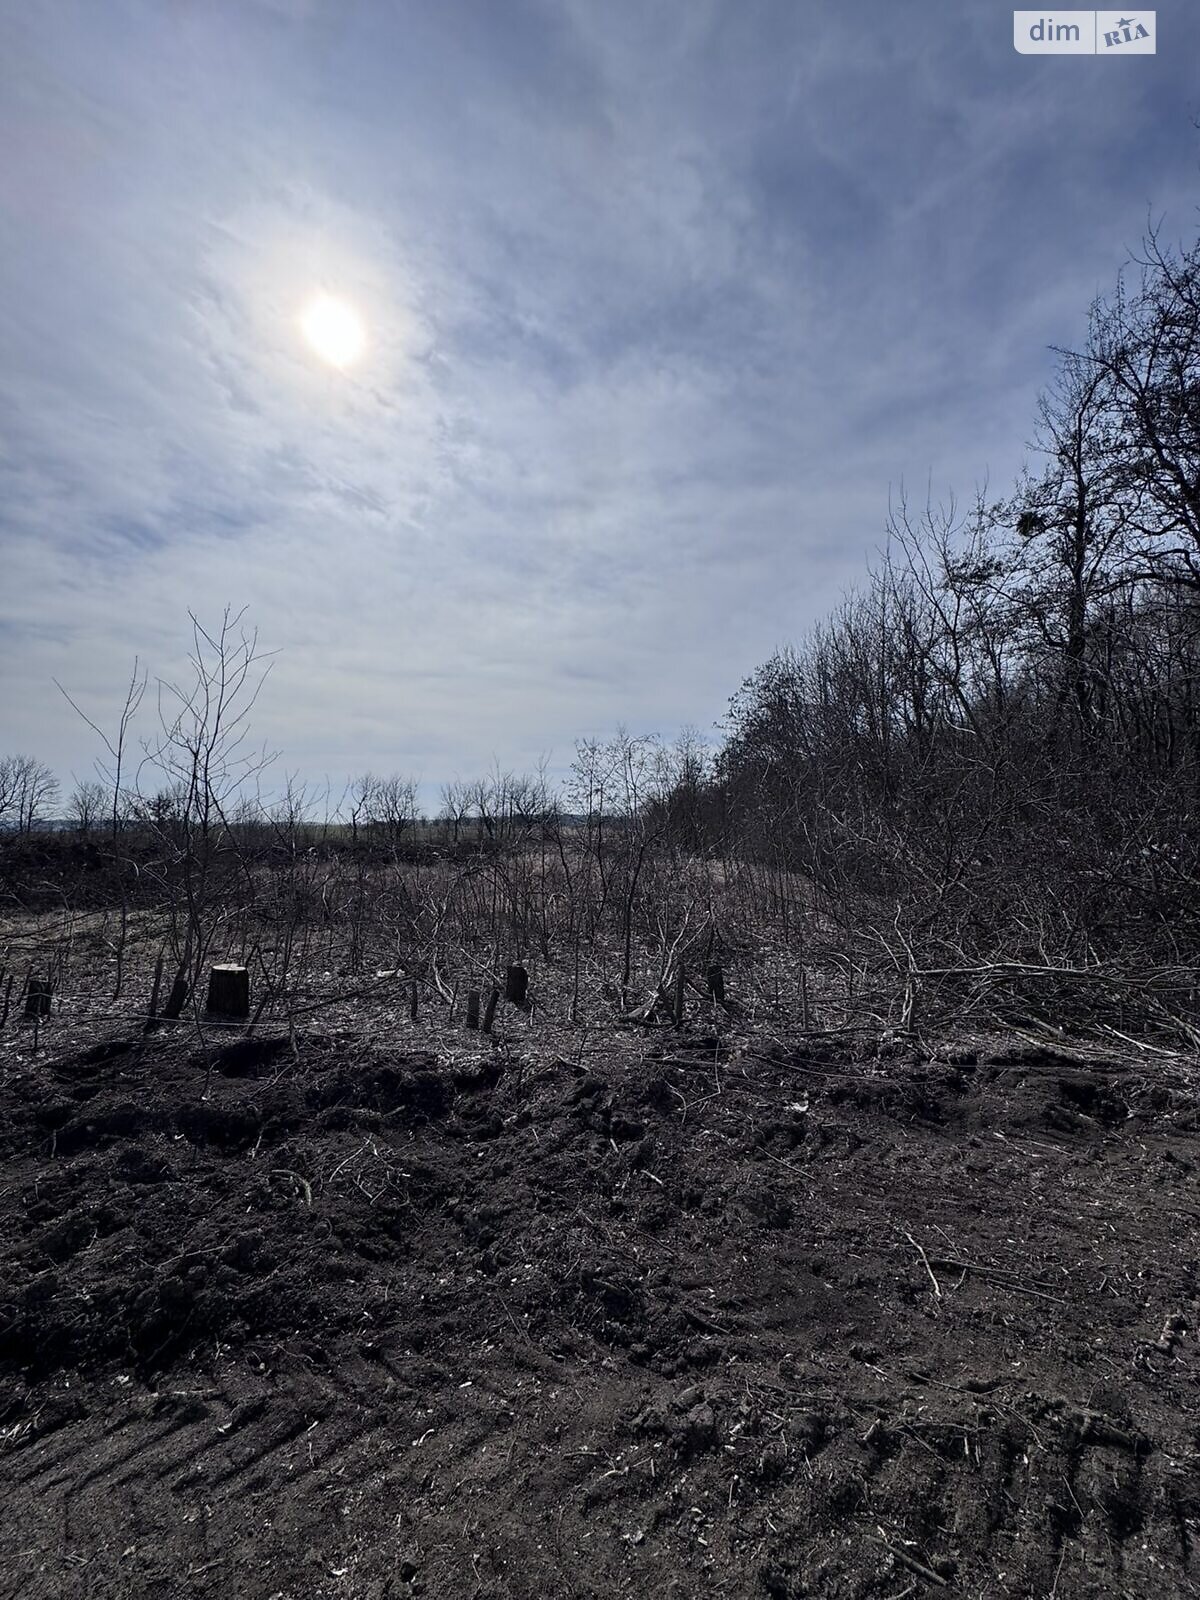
x: 334, y: 330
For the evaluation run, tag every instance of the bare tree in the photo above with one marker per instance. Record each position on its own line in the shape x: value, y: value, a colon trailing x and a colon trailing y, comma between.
x: 455, y: 802
x: 202, y: 753
x: 360, y: 794
x: 1143, y: 351
x: 113, y: 771
x: 10, y: 787
x: 28, y: 789
x: 88, y: 803
x: 391, y: 805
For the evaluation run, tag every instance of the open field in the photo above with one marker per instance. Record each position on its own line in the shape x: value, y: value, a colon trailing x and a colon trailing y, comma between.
x: 392, y: 1309
x: 599, y: 799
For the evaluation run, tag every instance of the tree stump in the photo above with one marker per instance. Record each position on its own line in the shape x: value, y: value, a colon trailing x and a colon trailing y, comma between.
x: 516, y: 986
x: 37, y: 998
x: 489, y: 1011
x: 716, y: 983
x: 473, y: 1008
x: 228, y: 991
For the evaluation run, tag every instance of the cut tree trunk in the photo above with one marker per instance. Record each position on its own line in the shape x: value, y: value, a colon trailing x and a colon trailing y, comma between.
x: 516, y: 985
x: 229, y: 991
x: 38, y: 997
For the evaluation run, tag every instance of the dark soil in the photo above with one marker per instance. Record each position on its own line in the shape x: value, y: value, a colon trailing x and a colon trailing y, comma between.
x: 673, y: 1318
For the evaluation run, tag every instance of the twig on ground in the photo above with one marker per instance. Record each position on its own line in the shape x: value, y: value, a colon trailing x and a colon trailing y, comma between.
x: 937, y: 1288
x: 911, y: 1562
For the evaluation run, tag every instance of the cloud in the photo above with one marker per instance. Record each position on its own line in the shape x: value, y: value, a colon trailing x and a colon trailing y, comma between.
x: 662, y: 300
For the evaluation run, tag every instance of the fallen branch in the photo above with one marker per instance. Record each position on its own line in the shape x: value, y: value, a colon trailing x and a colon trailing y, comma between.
x: 937, y: 1288
x: 911, y: 1562
x: 1008, y: 1280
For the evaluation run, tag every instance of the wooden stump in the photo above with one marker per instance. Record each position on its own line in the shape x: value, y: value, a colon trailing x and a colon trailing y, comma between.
x: 228, y: 991
x: 489, y: 1012
x: 37, y: 998
x: 516, y: 986
x: 716, y: 983
x: 473, y: 1008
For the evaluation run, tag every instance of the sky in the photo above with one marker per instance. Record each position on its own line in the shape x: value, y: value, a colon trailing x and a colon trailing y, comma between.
x: 663, y: 300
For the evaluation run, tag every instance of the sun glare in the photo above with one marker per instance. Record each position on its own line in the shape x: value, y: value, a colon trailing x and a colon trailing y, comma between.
x: 334, y: 330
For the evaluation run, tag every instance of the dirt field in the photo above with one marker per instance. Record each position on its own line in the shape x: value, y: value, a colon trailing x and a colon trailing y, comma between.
x: 659, y: 1316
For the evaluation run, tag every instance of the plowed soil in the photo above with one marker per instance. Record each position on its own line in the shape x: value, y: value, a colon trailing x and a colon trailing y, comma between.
x: 671, y: 1315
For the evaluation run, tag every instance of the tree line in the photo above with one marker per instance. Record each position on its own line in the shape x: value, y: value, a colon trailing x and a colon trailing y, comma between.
x: 997, y: 740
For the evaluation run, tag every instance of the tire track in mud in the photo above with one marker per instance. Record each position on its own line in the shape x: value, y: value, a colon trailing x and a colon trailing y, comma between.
x: 531, y: 1356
